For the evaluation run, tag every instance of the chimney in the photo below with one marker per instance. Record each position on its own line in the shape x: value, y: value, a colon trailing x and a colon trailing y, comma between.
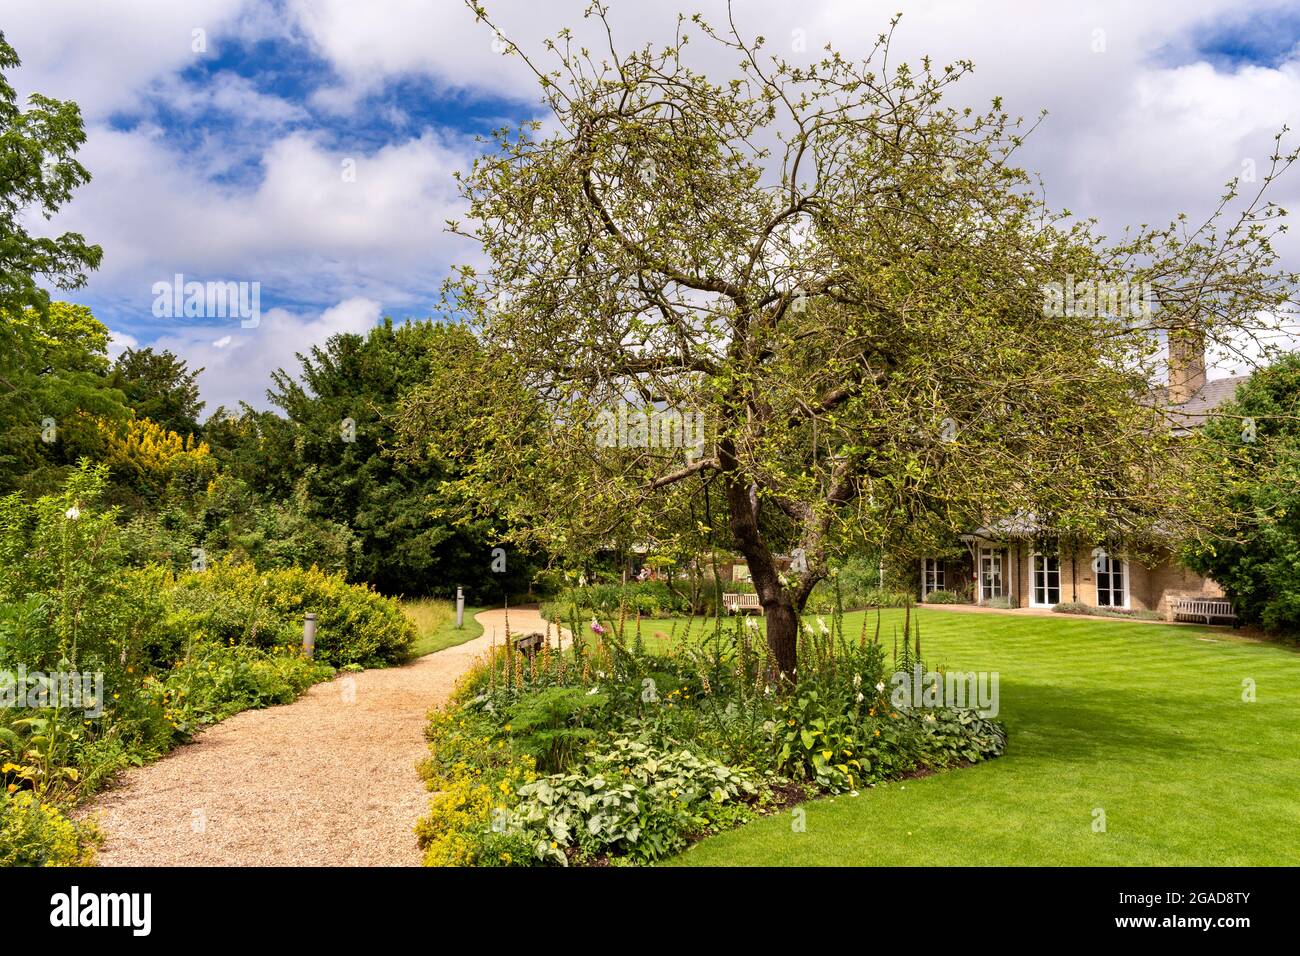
x: 1186, y: 364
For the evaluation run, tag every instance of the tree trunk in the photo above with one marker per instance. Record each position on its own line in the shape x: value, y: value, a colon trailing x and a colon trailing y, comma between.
x: 783, y: 637
x: 782, y: 618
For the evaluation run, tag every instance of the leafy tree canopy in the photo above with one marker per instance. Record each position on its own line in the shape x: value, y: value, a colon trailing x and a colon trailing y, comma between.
x: 38, y: 173
x: 1253, y: 549
x: 339, y: 408
x: 846, y: 278
x: 160, y: 387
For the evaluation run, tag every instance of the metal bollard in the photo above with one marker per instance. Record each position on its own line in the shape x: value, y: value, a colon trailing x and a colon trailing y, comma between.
x: 309, y: 635
x: 460, y: 608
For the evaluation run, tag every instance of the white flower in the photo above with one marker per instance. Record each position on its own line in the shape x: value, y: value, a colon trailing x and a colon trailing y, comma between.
x: 73, y: 513
x: 881, y: 687
x: 807, y: 627
x: 821, y: 625
x: 930, y: 717
x: 751, y: 623
x: 600, y: 674
x: 593, y: 691
x: 860, y: 697
x: 857, y: 680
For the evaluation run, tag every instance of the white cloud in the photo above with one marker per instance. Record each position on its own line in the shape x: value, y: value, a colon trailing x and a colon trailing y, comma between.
x: 305, y: 231
x: 238, y: 365
x: 1129, y: 139
x: 119, y: 342
x: 104, y: 55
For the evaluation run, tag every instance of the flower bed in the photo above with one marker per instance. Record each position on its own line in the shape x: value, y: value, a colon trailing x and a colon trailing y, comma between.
x: 603, y: 753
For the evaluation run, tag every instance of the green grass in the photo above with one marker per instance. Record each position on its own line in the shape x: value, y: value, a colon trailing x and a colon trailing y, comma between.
x: 1145, y: 722
x: 436, y: 621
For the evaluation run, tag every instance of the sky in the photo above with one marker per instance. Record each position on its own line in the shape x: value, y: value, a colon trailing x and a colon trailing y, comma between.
x: 310, y: 145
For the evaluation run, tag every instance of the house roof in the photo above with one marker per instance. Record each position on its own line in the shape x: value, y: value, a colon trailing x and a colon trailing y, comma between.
x: 1196, y: 410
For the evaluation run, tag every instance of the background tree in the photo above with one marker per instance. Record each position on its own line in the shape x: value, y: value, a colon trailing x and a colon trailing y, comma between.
x: 38, y: 173
x: 846, y: 278
x: 1253, y: 549
x: 160, y: 387
x: 339, y: 408
x: 54, y: 393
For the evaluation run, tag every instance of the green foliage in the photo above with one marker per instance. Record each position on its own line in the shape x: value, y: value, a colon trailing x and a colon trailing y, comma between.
x: 404, y: 545
x: 1078, y: 607
x: 38, y: 172
x: 235, y: 603
x: 33, y: 833
x: 554, y: 725
x: 648, y: 751
x: 943, y: 597
x: 1254, y: 550
x: 630, y: 800
x: 214, y: 682
x: 53, y: 393
x: 160, y: 387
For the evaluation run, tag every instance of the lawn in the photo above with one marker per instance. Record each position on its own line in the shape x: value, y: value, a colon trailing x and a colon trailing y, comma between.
x: 436, y: 621
x: 1142, y: 722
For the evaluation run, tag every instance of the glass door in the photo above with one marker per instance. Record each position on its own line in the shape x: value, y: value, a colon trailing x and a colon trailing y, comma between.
x: 1047, y: 580
x: 990, y: 574
x: 1112, y: 581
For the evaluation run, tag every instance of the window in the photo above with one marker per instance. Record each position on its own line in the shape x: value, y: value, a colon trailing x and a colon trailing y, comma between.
x: 932, y: 575
x: 1047, y: 580
x: 990, y: 573
x: 1112, y: 580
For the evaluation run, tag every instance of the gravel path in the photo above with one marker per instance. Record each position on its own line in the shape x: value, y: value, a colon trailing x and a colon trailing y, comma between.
x: 328, y: 780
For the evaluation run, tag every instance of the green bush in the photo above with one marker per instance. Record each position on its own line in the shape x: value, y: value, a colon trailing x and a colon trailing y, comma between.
x: 554, y: 725
x: 235, y: 603
x: 631, y: 800
x: 216, y: 681
x: 943, y: 597
x: 33, y: 833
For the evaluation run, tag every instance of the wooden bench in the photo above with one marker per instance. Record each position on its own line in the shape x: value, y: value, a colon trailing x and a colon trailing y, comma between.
x: 1206, y: 608
x: 741, y: 602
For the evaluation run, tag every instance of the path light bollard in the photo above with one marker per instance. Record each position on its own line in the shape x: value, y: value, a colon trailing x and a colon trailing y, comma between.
x: 460, y: 608
x: 309, y: 635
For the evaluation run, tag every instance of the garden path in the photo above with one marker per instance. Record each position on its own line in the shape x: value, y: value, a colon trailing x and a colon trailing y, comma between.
x: 328, y: 780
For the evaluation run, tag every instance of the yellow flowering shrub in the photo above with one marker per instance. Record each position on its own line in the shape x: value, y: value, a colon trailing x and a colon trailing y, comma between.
x: 474, y: 774
x: 33, y: 833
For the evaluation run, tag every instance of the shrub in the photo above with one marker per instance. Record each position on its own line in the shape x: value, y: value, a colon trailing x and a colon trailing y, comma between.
x: 943, y: 597
x: 1001, y: 602
x: 631, y: 800
x: 236, y: 603
x: 217, y: 681
x: 1070, y: 607
x: 555, y: 724
x: 33, y: 833
x: 475, y: 775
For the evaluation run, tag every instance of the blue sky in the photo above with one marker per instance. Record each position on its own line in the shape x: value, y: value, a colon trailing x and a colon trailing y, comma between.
x: 219, y: 130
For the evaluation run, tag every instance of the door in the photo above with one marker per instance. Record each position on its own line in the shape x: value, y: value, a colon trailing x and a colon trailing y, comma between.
x: 990, y: 574
x: 1112, y: 581
x: 1047, y: 580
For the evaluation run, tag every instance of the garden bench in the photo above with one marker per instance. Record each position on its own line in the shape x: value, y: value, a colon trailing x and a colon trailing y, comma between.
x: 1206, y: 608
x: 741, y: 602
